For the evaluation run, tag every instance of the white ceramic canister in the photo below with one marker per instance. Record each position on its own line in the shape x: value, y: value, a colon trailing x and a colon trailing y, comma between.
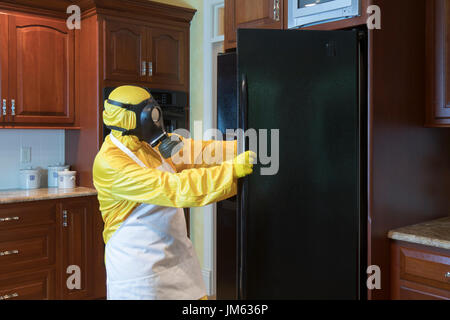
x: 53, y: 174
x: 66, y: 179
x: 30, y: 179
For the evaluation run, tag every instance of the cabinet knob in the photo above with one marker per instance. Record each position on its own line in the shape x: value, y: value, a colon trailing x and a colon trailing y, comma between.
x: 144, y: 68
x: 13, y: 107
x: 9, y: 296
x: 447, y: 275
x: 150, y: 68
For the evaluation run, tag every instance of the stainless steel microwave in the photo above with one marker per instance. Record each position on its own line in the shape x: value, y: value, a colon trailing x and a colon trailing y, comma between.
x: 309, y: 12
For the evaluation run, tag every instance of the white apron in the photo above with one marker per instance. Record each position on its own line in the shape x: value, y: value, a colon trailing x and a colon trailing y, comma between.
x: 150, y: 256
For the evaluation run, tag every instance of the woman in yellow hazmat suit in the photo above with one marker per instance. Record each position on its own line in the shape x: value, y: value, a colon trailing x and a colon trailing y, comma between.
x: 148, y: 254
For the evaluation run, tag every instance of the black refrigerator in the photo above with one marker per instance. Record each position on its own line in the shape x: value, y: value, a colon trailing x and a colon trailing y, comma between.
x: 301, y: 233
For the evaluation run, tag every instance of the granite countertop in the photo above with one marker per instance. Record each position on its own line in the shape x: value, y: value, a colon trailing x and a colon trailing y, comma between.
x: 434, y: 233
x: 17, y: 196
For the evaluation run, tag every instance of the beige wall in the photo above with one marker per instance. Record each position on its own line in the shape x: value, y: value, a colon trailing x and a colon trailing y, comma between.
x: 181, y: 3
x: 196, y: 100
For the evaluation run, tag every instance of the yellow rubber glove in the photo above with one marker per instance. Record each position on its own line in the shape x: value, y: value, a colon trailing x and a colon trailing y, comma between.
x: 243, y: 164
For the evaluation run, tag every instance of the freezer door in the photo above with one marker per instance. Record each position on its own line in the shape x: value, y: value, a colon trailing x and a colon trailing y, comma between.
x: 227, y: 118
x: 299, y: 229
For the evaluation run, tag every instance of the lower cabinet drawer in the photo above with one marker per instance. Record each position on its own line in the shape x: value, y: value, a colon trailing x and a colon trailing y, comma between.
x: 27, y: 248
x: 424, y: 267
x: 27, y: 214
x: 415, y: 291
x: 31, y: 285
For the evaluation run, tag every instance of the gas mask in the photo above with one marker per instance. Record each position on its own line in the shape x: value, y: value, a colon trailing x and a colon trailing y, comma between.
x: 150, y: 127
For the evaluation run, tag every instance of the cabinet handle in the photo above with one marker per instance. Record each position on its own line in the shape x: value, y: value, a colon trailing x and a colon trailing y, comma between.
x: 4, y: 107
x: 64, y: 218
x: 144, y: 68
x: 9, y: 253
x: 9, y: 296
x: 150, y: 69
x: 276, y: 10
x: 9, y: 219
x: 13, y: 107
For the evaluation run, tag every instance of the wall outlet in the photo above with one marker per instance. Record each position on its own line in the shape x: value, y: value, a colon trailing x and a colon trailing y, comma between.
x: 25, y: 154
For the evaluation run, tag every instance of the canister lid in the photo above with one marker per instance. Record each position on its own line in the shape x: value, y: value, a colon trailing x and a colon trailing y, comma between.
x: 56, y: 166
x: 29, y: 170
x: 66, y: 172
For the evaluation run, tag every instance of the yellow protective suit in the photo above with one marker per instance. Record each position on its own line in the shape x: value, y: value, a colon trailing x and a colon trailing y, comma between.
x: 122, y: 184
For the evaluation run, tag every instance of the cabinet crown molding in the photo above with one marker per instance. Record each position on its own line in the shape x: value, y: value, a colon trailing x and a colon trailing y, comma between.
x: 57, y: 8
x: 139, y: 7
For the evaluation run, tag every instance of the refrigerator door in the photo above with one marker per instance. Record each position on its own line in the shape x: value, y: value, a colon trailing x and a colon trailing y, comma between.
x: 227, y: 119
x: 299, y: 234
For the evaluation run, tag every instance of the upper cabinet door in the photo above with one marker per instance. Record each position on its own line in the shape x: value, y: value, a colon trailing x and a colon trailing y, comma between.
x: 125, y: 51
x: 438, y: 63
x: 3, y: 67
x: 41, y: 71
x: 167, y: 58
x: 251, y: 14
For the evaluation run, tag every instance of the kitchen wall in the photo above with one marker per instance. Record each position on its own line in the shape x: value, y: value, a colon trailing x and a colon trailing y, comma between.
x: 196, y: 103
x: 47, y: 147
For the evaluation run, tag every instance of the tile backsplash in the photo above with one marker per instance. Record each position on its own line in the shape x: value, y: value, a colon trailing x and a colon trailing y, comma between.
x: 47, y: 148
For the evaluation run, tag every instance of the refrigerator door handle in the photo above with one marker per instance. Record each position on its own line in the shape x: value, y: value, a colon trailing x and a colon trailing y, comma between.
x: 243, y: 110
x: 242, y: 195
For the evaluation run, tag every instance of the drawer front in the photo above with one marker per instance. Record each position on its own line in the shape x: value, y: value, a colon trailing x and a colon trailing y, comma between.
x: 431, y: 269
x: 35, y: 285
x: 27, y: 248
x: 414, y: 291
x: 27, y: 214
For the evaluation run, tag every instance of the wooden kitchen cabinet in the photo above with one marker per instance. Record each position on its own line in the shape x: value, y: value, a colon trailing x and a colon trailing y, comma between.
x: 27, y: 247
x: 37, y: 71
x: 273, y: 14
x: 167, y: 58
x: 438, y: 63
x: 140, y: 53
x: 419, y: 272
x: 29, y: 285
x: 268, y: 14
x: 4, y: 92
x: 40, y: 240
x: 116, y: 39
x: 76, y: 240
x: 125, y: 51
